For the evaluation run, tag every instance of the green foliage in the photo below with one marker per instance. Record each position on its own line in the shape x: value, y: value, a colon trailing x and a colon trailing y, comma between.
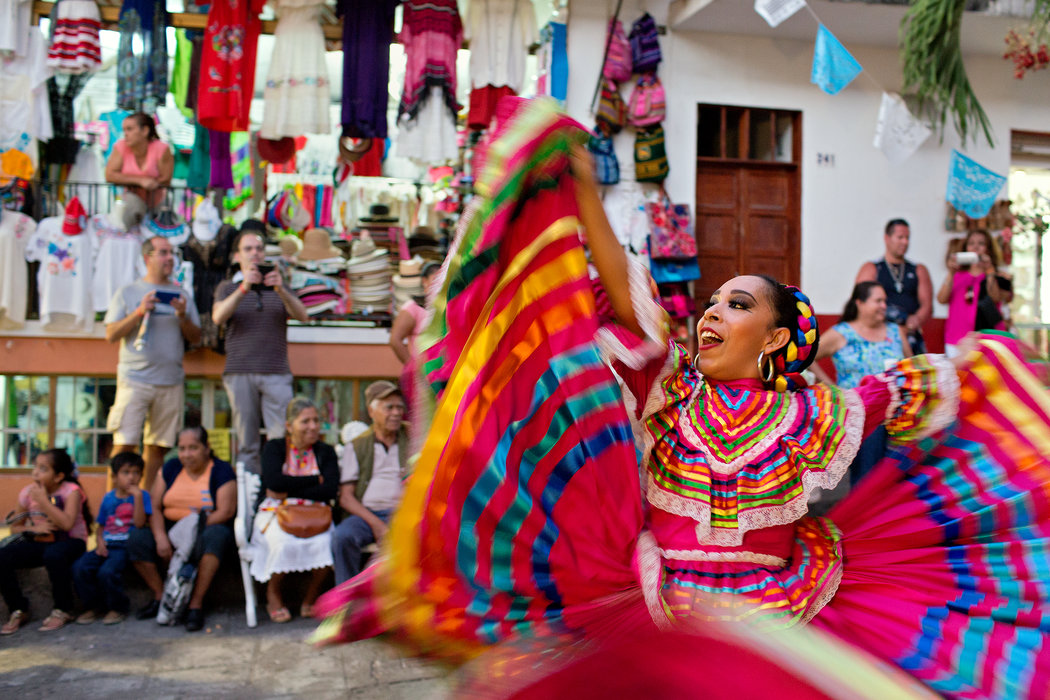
x: 933, y: 67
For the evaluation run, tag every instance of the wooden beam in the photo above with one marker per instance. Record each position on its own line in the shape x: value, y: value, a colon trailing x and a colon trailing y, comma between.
x: 179, y: 20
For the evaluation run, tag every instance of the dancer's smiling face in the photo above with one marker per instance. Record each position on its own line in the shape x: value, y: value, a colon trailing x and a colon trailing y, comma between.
x: 738, y: 324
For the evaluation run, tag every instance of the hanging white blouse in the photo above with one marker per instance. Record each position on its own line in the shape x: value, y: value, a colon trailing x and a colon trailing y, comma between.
x: 500, y: 34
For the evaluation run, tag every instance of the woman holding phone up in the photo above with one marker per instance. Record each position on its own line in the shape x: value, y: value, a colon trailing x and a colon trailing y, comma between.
x: 974, y: 290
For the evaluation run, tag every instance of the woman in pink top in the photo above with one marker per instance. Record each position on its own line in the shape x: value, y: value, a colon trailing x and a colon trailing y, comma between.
x: 52, y: 518
x: 409, y: 323
x: 141, y: 161
x: 974, y: 290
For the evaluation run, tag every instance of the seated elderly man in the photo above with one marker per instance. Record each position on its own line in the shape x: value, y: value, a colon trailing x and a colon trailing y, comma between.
x: 372, y: 470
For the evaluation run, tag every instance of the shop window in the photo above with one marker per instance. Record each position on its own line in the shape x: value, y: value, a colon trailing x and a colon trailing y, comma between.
x: 81, y: 407
x: 26, y: 401
x: 747, y: 133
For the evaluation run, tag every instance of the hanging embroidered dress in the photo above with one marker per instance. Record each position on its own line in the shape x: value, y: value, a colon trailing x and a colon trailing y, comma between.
x: 431, y: 33
x: 75, y: 44
x: 522, y: 520
x: 142, y: 56
x: 296, y: 95
x: 227, y: 71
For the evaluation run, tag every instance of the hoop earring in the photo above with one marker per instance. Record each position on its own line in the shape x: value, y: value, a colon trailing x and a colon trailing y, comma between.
x: 767, y: 375
x: 696, y: 360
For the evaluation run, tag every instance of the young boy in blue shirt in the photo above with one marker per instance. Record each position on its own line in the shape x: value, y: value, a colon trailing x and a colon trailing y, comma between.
x: 99, y: 575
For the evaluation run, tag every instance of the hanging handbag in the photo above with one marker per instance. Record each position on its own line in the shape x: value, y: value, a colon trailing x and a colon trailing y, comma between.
x: 647, y: 105
x: 304, y: 519
x: 612, y: 112
x: 606, y: 165
x: 618, y: 59
x: 667, y: 271
x: 645, y: 44
x: 650, y: 155
x: 670, y: 229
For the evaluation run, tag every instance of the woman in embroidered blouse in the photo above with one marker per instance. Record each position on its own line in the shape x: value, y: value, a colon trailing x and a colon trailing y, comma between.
x: 301, y: 469
x: 194, y: 481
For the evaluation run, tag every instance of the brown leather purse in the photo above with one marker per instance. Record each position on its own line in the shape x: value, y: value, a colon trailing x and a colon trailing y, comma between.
x: 304, y: 519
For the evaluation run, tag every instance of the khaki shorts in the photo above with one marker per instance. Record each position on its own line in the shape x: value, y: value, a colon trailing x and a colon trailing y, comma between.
x: 159, y: 407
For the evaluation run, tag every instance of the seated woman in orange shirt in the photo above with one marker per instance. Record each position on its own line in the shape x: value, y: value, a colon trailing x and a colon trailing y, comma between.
x: 193, y: 482
x: 141, y: 161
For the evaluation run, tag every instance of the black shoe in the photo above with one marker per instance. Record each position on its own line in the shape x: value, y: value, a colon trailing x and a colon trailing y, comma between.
x: 194, y: 620
x: 148, y: 612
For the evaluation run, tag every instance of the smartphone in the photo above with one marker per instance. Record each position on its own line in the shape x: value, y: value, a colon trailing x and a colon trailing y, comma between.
x: 966, y: 257
x: 166, y: 297
x: 264, y: 269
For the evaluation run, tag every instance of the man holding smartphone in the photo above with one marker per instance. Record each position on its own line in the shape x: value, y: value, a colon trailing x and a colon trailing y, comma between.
x: 255, y: 306
x: 152, y: 317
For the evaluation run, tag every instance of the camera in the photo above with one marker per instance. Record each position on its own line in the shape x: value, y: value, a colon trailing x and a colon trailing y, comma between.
x: 264, y: 269
x: 966, y: 257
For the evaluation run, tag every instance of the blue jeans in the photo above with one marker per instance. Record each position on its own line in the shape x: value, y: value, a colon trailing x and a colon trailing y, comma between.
x: 349, y: 538
x: 100, y: 580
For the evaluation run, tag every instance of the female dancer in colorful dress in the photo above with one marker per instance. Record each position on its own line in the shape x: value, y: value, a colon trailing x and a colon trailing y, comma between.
x: 523, y: 520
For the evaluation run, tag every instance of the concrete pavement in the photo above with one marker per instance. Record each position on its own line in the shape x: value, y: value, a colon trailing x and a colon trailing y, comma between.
x: 226, y: 659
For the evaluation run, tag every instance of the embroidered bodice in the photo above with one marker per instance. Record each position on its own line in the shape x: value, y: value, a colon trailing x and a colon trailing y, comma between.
x: 725, y: 459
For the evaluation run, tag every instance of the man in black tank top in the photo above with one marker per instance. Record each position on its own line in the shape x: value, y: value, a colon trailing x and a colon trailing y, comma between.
x: 909, y: 292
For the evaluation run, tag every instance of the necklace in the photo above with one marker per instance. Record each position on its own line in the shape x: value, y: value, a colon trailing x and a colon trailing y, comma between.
x: 897, y: 273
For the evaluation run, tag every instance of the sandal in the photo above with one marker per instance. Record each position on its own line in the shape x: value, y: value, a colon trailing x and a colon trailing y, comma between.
x: 17, y: 619
x: 280, y: 615
x: 86, y: 618
x: 55, y: 621
x: 306, y: 610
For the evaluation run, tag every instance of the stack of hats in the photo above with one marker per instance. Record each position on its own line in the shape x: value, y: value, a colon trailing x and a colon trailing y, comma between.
x: 318, y: 253
x: 369, y: 273
x: 378, y: 224
x: 408, y: 283
x: 424, y: 243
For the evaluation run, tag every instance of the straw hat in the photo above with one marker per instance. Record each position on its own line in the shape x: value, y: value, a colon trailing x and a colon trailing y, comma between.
x: 317, y: 245
x: 379, y: 214
x: 363, y: 251
x: 290, y: 246
x: 411, y: 268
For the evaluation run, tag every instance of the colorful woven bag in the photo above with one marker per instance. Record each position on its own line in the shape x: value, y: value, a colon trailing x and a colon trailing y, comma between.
x: 606, y: 164
x: 670, y: 229
x: 650, y: 155
x: 645, y: 44
x: 619, y: 58
x: 647, y: 105
x: 612, y: 112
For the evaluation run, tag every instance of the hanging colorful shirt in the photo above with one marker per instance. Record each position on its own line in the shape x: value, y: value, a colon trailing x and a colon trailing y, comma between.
x: 142, y: 57
x: 227, y: 73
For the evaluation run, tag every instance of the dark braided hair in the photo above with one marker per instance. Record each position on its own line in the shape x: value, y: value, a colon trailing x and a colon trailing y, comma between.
x: 792, y: 310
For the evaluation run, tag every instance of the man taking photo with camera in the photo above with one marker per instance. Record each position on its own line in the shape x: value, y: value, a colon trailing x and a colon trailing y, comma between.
x: 255, y: 306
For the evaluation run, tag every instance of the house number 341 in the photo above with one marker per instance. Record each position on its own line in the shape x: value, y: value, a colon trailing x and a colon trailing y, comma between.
x: 827, y: 159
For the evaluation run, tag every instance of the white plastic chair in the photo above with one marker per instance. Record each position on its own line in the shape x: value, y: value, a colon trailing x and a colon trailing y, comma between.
x: 248, y: 486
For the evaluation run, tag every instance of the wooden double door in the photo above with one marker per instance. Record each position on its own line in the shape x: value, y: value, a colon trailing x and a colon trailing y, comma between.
x: 747, y: 222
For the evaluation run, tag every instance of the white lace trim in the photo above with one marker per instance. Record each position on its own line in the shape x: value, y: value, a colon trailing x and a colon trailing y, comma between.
x: 689, y: 431
x: 945, y: 411
x: 824, y: 598
x: 744, y: 557
x: 648, y: 554
x: 895, y: 396
x: 763, y: 517
x: 650, y: 316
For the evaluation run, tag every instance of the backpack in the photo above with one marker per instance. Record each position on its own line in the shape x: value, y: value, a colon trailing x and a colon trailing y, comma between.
x: 645, y: 44
x: 618, y: 57
x: 647, y: 105
x: 601, y: 147
x: 182, y: 574
x: 650, y: 155
x: 612, y: 112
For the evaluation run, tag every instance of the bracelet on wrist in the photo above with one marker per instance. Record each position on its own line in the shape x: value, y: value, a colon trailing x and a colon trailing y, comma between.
x: 244, y: 288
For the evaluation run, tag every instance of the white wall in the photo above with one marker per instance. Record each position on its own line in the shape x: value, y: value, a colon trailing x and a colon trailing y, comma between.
x: 844, y: 206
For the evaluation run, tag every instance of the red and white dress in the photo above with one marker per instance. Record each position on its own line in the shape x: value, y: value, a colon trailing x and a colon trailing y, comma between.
x: 75, y: 45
